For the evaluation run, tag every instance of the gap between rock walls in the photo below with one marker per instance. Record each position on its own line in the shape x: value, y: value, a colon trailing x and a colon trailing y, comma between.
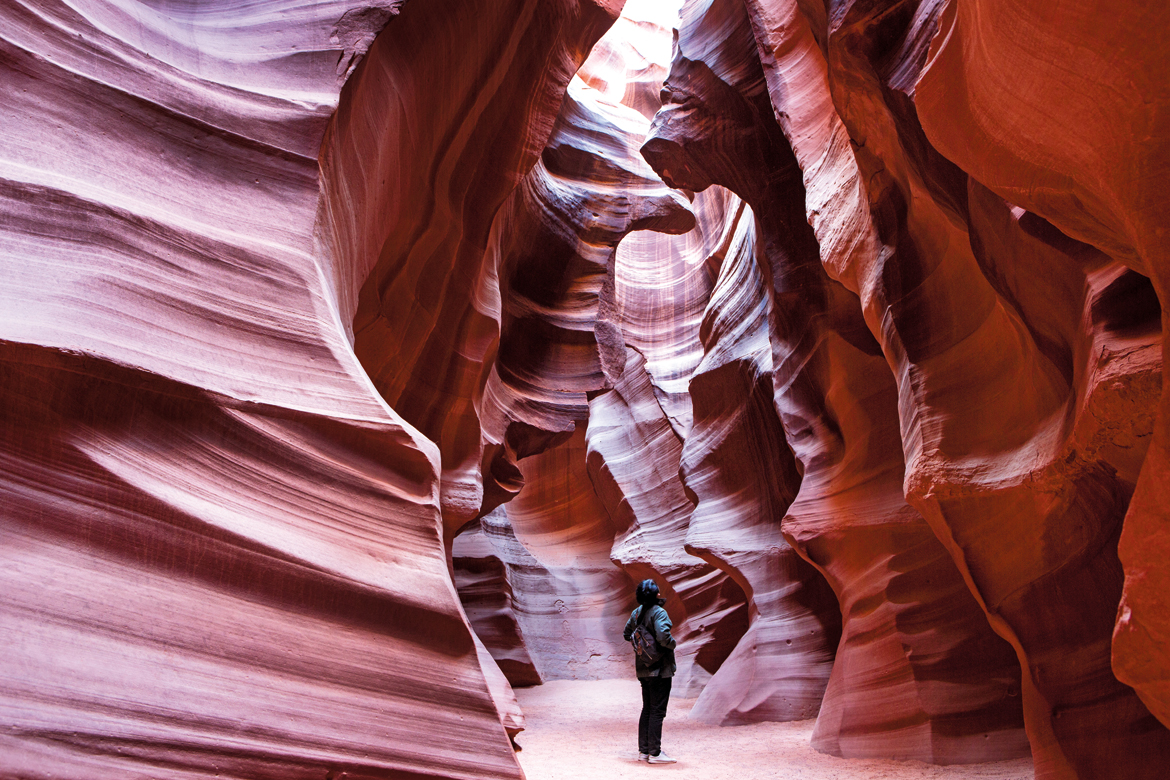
x: 359, y: 358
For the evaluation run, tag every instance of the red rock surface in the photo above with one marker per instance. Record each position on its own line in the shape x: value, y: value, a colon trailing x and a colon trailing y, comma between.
x: 1081, y: 144
x: 312, y: 313
x: 1000, y: 341
x: 482, y: 578
x: 634, y: 459
x: 415, y: 165
x: 577, y: 600
x: 553, y: 246
x: 910, y: 625
x: 223, y: 551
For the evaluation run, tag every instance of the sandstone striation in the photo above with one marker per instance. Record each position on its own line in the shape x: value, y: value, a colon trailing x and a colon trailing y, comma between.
x: 909, y: 622
x: 553, y: 245
x: 485, y: 590
x: 634, y: 459
x: 576, y: 600
x: 736, y: 461
x: 357, y: 358
x: 1006, y: 454
x: 415, y: 165
x: 1080, y: 143
x: 221, y: 542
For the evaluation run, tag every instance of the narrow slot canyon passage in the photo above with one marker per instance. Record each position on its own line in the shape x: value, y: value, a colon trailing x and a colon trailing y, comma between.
x: 359, y: 358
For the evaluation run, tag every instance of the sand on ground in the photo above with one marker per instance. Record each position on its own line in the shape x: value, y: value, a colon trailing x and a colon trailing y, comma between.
x: 588, y: 730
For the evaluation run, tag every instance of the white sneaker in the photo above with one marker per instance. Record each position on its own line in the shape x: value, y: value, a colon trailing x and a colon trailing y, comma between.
x: 661, y: 758
x: 643, y: 756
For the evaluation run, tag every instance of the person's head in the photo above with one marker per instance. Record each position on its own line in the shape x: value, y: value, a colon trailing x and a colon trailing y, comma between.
x: 647, y: 593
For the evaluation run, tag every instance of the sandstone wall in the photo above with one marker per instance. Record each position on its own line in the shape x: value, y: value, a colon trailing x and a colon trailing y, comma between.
x: 357, y: 355
x: 224, y: 552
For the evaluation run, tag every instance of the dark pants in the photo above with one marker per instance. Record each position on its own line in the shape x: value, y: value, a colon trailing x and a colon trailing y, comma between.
x: 655, y: 697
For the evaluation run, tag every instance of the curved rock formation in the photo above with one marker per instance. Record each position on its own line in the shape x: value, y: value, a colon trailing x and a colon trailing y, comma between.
x: 220, y: 540
x: 553, y: 244
x: 1006, y: 456
x: 736, y: 460
x: 481, y: 576
x: 294, y: 294
x: 406, y: 225
x: 1080, y: 143
x: 630, y: 61
x: 563, y: 336
x: 634, y: 460
x: 202, y: 586
x: 661, y: 279
x: 575, y: 600
x: 737, y: 465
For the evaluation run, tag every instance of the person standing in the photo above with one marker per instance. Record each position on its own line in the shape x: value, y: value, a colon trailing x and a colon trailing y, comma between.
x: 648, y: 629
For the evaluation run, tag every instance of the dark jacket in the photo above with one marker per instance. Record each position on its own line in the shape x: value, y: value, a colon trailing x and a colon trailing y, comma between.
x: 659, y: 622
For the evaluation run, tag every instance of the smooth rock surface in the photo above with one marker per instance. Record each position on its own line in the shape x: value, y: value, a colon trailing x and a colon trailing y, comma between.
x: 1007, y: 457
x: 311, y: 314
x: 481, y: 577
x: 224, y: 551
x: 1079, y: 141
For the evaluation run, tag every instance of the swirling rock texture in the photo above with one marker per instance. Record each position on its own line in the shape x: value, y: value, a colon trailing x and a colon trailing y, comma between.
x: 636, y: 427
x: 554, y: 244
x: 738, y: 467
x: 481, y: 577
x: 572, y: 600
x: 293, y: 294
x: 407, y: 226
x: 220, y: 542
x: 1084, y: 147
x: 1009, y: 456
x: 910, y: 625
x: 736, y: 460
x: 634, y: 457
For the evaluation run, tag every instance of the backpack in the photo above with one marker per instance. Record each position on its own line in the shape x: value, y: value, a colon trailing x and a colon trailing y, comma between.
x: 645, y: 643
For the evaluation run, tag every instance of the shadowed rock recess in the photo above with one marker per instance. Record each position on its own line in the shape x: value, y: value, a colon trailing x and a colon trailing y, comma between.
x: 357, y: 357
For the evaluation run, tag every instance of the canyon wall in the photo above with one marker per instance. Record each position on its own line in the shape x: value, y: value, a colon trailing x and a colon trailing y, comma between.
x: 357, y: 355
x: 1006, y: 339
x: 224, y: 551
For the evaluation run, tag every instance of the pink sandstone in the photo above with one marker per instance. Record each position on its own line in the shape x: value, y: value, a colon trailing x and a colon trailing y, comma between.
x: 357, y: 358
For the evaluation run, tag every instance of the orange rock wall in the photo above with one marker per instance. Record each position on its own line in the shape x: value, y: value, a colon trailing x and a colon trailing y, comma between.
x: 1082, y: 145
x: 361, y: 355
x: 1001, y: 371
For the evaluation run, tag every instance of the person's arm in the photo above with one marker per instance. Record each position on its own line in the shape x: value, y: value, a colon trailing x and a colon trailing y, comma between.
x: 662, y: 627
x: 629, y: 632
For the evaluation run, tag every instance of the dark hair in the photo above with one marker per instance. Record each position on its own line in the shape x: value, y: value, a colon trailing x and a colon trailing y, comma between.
x: 647, y: 593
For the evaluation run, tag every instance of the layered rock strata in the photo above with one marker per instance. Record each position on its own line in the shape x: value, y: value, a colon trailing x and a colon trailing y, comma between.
x: 661, y: 279
x: 563, y: 337
x: 909, y: 621
x: 221, y: 541
x: 572, y: 600
x: 737, y: 466
x: 634, y: 459
x: 1007, y: 457
x: 1081, y: 142
x: 436, y: 130
x: 482, y: 579
x: 553, y: 246
x: 203, y: 586
x: 281, y: 317
x: 737, y: 462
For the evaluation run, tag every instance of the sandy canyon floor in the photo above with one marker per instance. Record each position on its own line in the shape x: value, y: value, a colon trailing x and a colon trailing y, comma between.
x: 587, y: 730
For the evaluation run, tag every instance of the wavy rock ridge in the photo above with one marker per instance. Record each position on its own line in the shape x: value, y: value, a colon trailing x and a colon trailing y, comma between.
x: 357, y: 355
